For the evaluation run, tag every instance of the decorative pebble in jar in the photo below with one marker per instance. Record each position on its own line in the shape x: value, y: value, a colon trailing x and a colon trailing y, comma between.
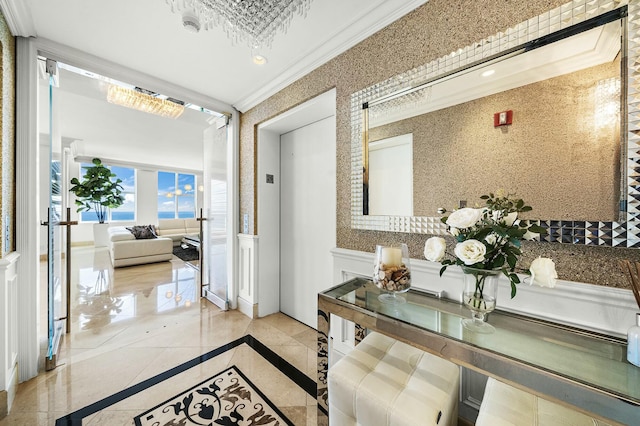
x: 391, y: 272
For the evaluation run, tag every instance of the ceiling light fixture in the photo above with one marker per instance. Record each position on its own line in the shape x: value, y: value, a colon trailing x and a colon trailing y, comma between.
x: 145, y: 101
x: 258, y: 59
x: 487, y: 73
x: 254, y: 22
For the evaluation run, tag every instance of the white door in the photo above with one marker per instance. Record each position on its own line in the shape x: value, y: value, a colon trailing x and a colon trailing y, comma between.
x: 307, y: 217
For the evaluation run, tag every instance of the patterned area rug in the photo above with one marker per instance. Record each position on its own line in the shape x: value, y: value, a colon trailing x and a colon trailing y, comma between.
x: 188, y: 254
x: 228, y: 398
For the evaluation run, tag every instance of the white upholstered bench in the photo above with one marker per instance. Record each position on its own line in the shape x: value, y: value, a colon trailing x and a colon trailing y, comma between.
x: 504, y: 405
x: 387, y: 382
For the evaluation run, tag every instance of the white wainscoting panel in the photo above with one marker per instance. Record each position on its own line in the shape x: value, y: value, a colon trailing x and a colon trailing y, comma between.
x: 247, y: 275
x: 8, y: 331
x: 603, y: 309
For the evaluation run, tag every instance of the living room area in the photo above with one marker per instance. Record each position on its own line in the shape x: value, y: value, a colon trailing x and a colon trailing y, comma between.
x: 157, y: 160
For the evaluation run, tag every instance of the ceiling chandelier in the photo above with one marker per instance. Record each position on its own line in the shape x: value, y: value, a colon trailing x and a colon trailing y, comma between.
x: 144, y: 100
x: 254, y: 22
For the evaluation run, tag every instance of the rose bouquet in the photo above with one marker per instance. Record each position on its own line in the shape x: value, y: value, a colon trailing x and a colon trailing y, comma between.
x: 489, y: 239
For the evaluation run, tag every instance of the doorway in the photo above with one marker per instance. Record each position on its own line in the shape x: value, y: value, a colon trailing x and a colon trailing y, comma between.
x: 133, y: 136
x: 29, y: 135
x: 297, y: 208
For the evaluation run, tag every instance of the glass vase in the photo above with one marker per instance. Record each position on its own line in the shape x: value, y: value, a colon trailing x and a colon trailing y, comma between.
x: 391, y: 272
x: 479, y: 295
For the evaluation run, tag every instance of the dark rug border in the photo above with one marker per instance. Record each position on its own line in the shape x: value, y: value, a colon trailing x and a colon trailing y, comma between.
x: 241, y: 374
x: 301, y: 379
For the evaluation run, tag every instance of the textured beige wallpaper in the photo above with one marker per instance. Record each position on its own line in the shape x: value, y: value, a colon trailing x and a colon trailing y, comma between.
x: 553, y: 150
x: 431, y: 31
x: 7, y: 141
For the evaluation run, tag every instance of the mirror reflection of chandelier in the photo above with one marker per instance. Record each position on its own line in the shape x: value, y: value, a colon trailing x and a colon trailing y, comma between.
x: 188, y: 189
x: 253, y: 22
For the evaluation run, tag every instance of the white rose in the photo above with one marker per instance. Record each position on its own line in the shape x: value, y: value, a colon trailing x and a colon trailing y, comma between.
x: 491, y: 239
x: 464, y: 218
x: 434, y: 249
x: 454, y: 231
x: 509, y: 219
x: 470, y: 251
x: 543, y: 272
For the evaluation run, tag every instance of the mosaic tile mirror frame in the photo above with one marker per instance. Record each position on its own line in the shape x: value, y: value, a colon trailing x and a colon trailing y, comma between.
x: 624, y: 233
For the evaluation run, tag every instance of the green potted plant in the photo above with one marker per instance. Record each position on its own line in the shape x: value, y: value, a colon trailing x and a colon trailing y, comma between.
x: 98, y: 191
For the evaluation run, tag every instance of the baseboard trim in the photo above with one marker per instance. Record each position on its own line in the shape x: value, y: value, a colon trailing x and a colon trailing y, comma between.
x: 7, y: 396
x: 4, y: 404
x: 247, y: 308
x: 81, y: 243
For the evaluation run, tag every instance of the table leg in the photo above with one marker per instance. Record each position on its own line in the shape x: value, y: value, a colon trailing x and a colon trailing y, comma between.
x: 323, y: 364
x: 360, y: 333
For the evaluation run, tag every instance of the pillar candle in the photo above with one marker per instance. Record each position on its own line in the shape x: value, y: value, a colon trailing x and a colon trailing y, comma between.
x: 391, y: 256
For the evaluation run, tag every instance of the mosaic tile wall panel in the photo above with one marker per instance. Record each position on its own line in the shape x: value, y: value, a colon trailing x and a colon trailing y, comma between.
x: 608, y: 234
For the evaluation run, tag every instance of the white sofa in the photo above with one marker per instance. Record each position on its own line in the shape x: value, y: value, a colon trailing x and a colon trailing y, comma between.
x: 176, y: 229
x: 126, y: 250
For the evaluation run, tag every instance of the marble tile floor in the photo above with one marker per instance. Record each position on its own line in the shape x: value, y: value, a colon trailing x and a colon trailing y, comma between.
x: 131, y: 324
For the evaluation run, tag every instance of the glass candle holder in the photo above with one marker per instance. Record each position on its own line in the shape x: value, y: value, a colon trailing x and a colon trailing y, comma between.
x: 391, y: 272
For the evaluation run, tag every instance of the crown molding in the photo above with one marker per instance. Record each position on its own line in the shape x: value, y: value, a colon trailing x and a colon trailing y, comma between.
x: 18, y: 17
x: 388, y: 12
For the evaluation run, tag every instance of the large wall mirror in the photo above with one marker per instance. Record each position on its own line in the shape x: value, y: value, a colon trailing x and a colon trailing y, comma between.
x: 540, y: 111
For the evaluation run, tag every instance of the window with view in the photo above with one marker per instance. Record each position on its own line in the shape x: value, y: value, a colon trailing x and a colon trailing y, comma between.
x: 176, y: 195
x: 127, y: 211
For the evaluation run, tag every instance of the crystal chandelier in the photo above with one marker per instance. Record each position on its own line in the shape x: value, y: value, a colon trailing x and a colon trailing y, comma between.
x: 145, y: 101
x: 253, y: 22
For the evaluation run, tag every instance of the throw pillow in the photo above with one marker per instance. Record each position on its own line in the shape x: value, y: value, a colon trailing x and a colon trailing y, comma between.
x: 142, y: 232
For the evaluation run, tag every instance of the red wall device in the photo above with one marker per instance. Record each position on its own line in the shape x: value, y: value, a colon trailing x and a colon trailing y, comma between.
x: 503, y: 118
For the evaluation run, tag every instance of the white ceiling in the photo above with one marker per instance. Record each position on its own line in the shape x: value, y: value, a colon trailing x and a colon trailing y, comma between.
x: 145, y: 36
x: 116, y: 134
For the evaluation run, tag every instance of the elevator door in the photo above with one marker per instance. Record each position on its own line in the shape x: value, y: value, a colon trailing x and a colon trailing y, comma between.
x: 307, y: 217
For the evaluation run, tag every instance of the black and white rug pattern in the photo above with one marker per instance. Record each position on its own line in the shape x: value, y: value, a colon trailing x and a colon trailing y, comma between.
x: 186, y: 254
x: 228, y: 398
x: 199, y: 402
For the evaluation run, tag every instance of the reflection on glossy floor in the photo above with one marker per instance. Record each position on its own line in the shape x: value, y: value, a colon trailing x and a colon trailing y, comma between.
x: 133, y: 323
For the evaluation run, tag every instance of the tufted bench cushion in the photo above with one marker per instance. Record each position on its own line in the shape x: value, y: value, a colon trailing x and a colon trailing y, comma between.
x: 504, y: 405
x: 387, y: 382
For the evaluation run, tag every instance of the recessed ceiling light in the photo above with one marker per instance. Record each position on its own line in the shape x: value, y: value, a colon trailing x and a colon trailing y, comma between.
x: 487, y: 73
x: 259, y: 60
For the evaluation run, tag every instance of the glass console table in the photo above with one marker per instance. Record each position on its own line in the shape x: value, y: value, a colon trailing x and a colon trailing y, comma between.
x: 570, y: 366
